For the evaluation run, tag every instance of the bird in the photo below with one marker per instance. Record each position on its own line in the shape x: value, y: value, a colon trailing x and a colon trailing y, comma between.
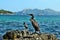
x: 25, y: 25
x: 34, y: 24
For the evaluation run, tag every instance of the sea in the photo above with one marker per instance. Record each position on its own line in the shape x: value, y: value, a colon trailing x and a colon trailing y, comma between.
x: 47, y: 23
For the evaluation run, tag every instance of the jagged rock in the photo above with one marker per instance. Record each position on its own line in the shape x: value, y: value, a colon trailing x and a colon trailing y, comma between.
x: 25, y: 35
x: 48, y: 37
x: 12, y: 35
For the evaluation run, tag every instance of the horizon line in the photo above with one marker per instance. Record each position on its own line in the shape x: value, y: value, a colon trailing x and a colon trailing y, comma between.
x: 29, y: 8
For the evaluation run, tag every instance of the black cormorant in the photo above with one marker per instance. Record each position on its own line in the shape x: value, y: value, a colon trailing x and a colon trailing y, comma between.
x: 34, y: 24
x: 25, y: 25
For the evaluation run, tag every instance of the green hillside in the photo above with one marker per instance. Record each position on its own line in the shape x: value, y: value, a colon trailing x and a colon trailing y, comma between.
x: 5, y: 12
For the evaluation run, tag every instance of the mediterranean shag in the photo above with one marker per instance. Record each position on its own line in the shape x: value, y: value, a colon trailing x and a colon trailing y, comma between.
x: 34, y: 24
x: 25, y: 25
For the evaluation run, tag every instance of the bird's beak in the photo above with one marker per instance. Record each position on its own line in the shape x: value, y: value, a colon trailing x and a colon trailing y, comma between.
x: 30, y: 15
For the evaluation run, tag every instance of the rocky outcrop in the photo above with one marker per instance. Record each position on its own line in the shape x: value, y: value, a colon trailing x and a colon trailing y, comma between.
x: 25, y: 35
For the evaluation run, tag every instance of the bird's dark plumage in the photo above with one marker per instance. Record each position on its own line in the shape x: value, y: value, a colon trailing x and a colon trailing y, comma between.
x: 25, y: 25
x: 34, y: 23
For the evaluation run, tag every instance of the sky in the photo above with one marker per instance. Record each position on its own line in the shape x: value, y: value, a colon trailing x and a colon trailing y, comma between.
x: 18, y: 5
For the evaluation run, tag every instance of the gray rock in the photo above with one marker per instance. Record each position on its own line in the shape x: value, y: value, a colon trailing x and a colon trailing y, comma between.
x: 25, y: 35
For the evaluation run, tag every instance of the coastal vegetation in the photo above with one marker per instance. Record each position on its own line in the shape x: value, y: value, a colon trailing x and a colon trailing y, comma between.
x: 2, y: 11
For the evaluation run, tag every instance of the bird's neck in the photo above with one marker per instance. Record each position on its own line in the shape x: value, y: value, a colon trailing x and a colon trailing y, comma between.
x: 32, y: 17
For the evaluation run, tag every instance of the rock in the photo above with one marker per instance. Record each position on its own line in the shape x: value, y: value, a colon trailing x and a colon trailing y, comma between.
x: 25, y: 35
x: 11, y: 35
x: 48, y: 37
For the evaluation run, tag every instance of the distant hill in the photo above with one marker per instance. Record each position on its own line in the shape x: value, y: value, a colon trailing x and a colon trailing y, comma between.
x: 38, y: 12
x: 31, y: 11
x: 5, y: 12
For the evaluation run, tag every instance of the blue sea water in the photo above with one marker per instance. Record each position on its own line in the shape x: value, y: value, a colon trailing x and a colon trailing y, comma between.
x: 48, y: 24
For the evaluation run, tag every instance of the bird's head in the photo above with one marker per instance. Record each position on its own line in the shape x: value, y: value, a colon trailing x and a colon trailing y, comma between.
x: 31, y: 15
